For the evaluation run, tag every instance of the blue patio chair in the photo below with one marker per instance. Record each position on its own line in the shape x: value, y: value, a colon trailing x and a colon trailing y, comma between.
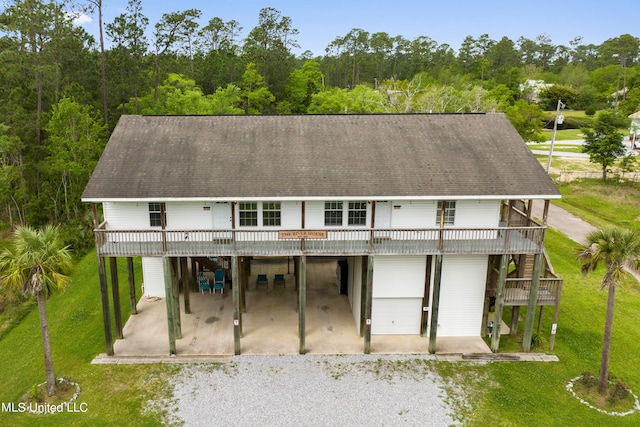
x: 262, y: 280
x: 218, y: 281
x: 203, y: 282
x: 279, y: 278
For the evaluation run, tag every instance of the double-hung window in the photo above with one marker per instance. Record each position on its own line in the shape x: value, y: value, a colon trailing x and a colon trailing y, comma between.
x: 155, y: 214
x: 357, y: 213
x: 449, y: 212
x: 333, y: 213
x: 271, y: 214
x: 248, y: 214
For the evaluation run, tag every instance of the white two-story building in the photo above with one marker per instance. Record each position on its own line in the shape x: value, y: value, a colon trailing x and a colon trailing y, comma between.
x: 430, y: 212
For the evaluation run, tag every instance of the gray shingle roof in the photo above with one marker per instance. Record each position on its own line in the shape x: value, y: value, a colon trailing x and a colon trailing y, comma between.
x: 309, y: 156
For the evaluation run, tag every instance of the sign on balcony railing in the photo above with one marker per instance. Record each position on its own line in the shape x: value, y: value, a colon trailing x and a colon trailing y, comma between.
x: 302, y: 234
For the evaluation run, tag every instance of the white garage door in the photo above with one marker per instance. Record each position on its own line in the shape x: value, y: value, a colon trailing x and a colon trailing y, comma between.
x: 398, y: 288
x: 462, y: 295
x: 397, y: 316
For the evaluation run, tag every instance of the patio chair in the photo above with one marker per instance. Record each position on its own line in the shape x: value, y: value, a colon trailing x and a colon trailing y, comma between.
x: 262, y: 280
x: 279, y: 278
x: 203, y: 282
x: 218, y: 281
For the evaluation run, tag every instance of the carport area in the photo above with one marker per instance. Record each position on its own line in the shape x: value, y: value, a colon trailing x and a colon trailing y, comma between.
x: 270, y: 323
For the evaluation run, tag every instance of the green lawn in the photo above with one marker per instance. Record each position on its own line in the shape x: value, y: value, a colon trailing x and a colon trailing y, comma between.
x: 564, y: 134
x: 114, y: 395
x: 602, y: 204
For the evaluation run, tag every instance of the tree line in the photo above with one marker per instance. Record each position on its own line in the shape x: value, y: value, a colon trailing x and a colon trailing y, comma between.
x: 63, y: 91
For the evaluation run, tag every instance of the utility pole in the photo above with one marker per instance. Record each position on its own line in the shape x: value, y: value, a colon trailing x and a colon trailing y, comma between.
x: 558, y: 120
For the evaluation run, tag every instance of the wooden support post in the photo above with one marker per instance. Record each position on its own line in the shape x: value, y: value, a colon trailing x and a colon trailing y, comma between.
x: 133, y: 301
x: 176, y: 297
x: 424, y: 321
x: 363, y: 292
x: 163, y: 226
x: 435, y: 302
x: 237, y: 321
x: 545, y: 212
x: 497, y: 316
x: 240, y: 292
x: 515, y: 317
x: 244, y: 285
x: 106, y: 313
x: 296, y: 276
x: 115, y: 294
x: 533, y: 300
x: 168, y: 290
x: 194, y: 276
x: 367, y: 305
x: 302, y: 304
x: 556, y: 311
x: 485, y: 317
x: 186, y: 289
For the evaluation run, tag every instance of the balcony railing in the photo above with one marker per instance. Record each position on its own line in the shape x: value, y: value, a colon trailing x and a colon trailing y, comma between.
x: 337, y: 242
x: 517, y: 291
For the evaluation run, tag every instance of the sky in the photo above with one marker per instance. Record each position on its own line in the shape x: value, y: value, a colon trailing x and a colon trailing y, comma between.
x: 320, y: 22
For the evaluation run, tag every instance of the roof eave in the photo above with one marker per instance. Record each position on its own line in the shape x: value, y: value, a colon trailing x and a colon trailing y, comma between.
x: 323, y: 198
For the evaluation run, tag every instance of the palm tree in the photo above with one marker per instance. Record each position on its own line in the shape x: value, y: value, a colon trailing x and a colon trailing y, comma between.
x: 36, y: 261
x: 614, y: 247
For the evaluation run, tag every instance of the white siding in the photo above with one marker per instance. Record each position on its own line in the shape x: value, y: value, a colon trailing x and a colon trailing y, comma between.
x: 477, y: 213
x: 398, y: 288
x: 126, y: 215
x: 462, y: 295
x: 416, y: 214
x: 153, y: 277
x: 189, y: 216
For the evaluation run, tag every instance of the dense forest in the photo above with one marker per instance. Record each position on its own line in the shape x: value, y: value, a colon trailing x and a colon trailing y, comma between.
x: 63, y: 91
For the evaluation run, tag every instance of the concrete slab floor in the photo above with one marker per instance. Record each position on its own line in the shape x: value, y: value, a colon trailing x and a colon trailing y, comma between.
x: 270, y: 324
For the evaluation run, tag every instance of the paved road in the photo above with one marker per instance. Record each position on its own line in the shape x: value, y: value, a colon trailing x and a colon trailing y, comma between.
x: 559, y: 219
x: 532, y: 145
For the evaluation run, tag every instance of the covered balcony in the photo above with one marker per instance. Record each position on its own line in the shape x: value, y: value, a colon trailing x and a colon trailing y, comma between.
x: 337, y: 242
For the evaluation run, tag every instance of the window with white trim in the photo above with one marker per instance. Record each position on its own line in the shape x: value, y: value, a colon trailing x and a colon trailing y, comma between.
x: 333, y: 213
x: 271, y: 214
x: 248, y: 214
x: 449, y: 212
x: 357, y: 213
x: 155, y: 214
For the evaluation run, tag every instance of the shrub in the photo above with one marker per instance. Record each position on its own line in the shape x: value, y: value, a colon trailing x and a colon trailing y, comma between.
x: 536, y: 339
x: 618, y: 392
x: 590, y: 111
x: 34, y: 394
x: 588, y: 380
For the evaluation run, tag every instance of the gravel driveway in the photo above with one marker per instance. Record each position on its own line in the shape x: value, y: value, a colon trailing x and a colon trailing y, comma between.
x: 354, y: 390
